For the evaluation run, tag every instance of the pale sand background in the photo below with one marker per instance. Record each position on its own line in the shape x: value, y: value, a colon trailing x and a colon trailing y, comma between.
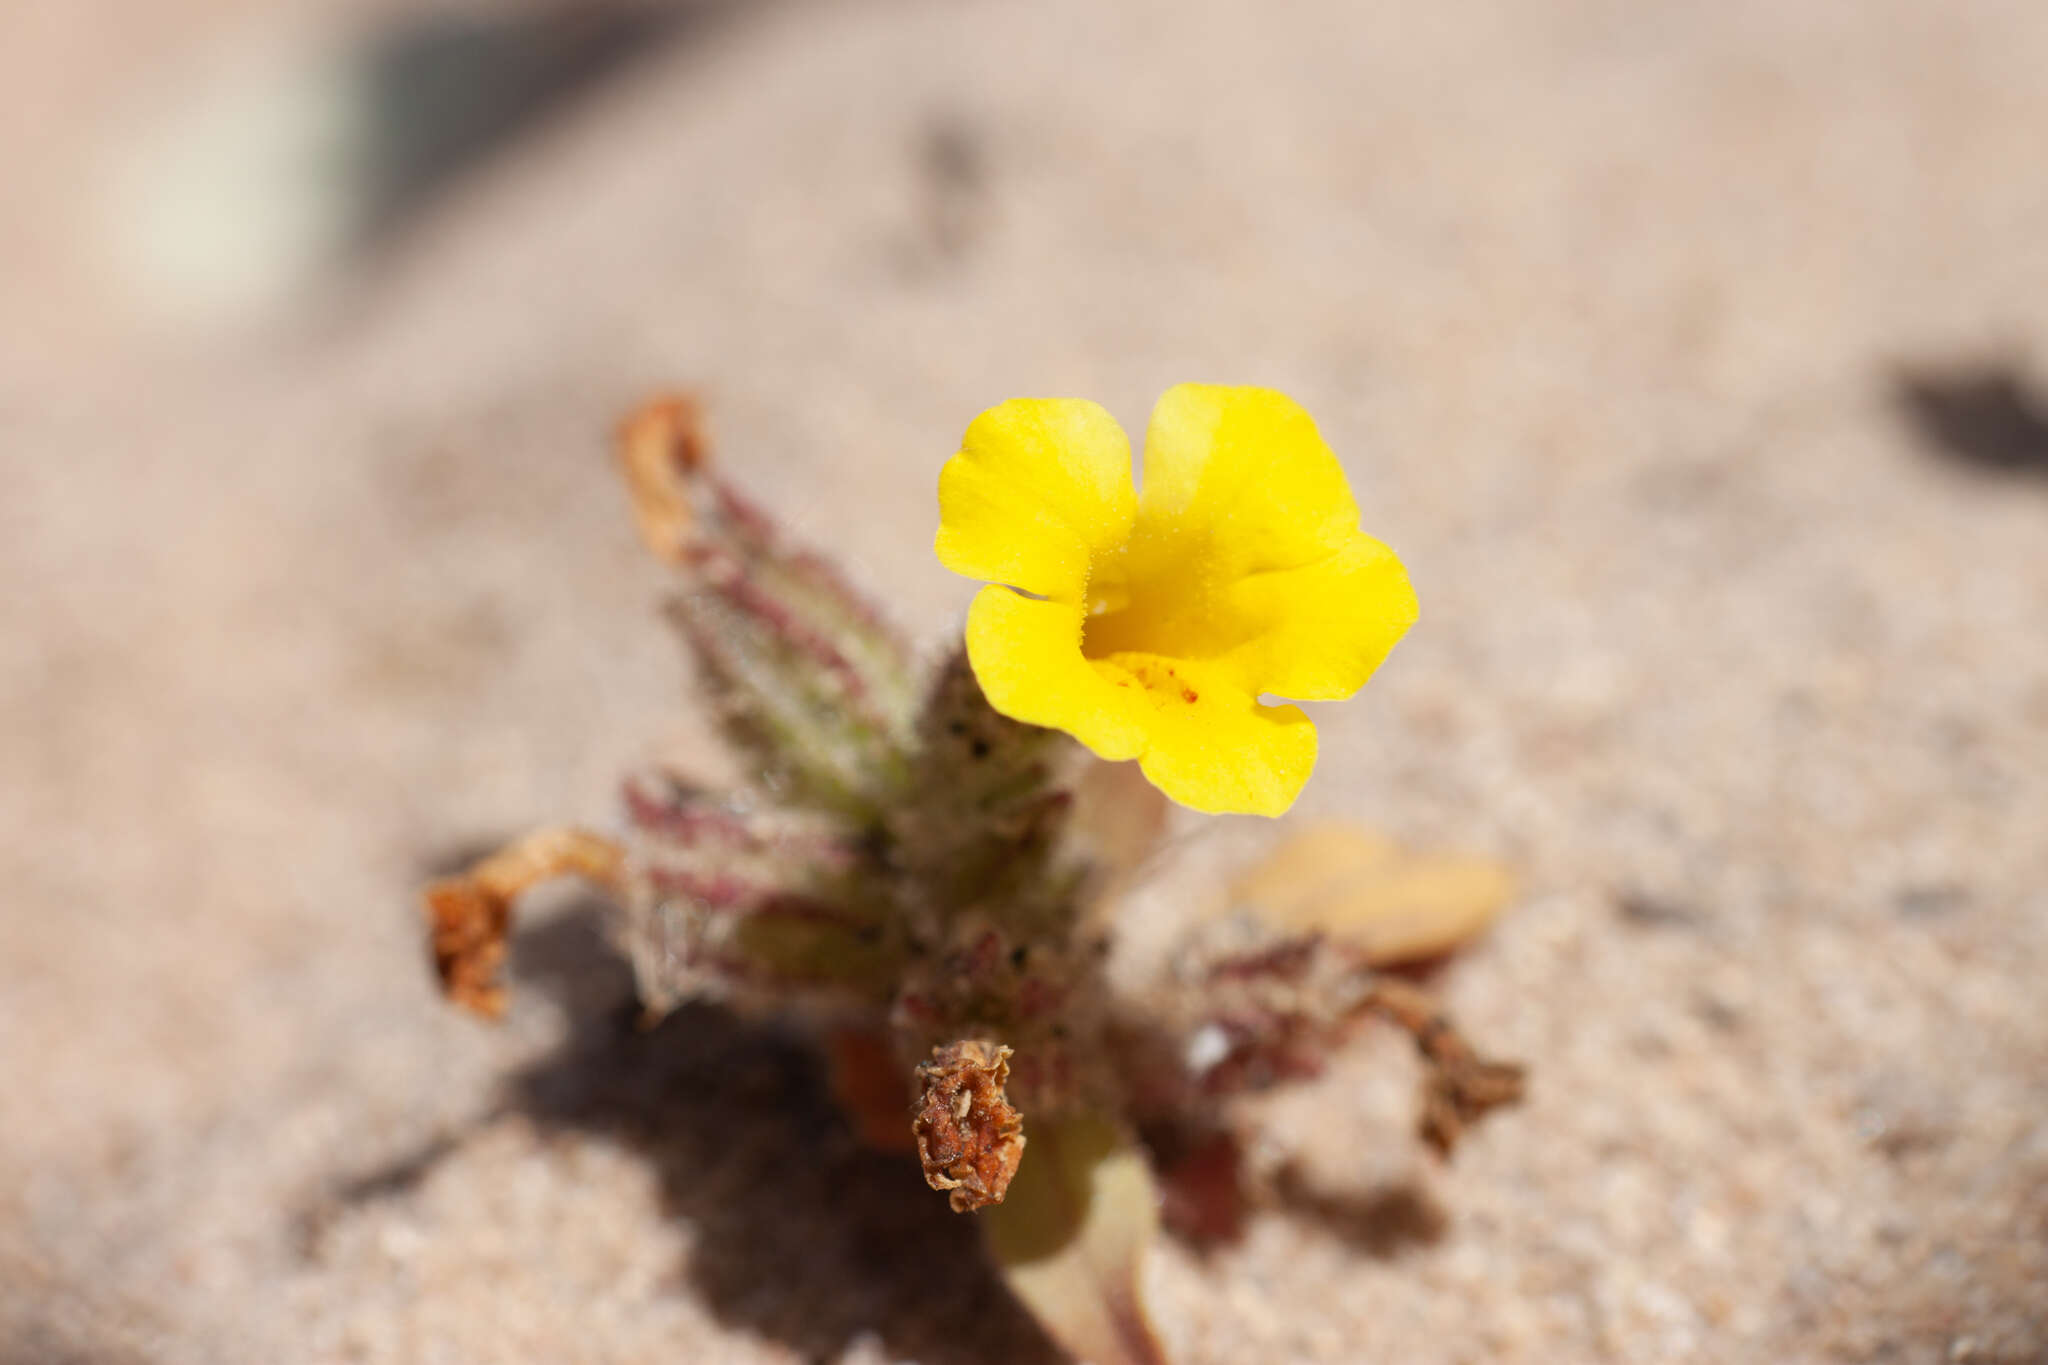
x: 1603, y: 303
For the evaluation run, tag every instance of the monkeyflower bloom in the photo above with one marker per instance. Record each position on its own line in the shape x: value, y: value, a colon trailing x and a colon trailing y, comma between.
x: 1149, y: 624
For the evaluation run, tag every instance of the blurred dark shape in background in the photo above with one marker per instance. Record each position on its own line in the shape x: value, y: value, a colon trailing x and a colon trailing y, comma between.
x: 1984, y: 416
x: 953, y: 160
x: 301, y: 150
x: 445, y: 92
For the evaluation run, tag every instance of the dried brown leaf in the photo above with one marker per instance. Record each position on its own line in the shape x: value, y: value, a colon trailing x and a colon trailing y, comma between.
x: 469, y: 917
x: 1392, y: 905
x: 659, y: 446
x: 1459, y: 1087
x: 969, y: 1137
x: 467, y: 930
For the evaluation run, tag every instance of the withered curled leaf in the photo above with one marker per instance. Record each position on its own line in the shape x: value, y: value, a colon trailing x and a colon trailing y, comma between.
x: 659, y: 446
x: 1459, y: 1087
x: 469, y: 917
x: 467, y: 929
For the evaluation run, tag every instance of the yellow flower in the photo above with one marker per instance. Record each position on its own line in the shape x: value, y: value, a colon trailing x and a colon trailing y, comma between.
x: 1149, y: 625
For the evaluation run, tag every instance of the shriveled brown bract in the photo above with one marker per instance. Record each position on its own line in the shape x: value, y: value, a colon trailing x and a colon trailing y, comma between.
x: 969, y: 1138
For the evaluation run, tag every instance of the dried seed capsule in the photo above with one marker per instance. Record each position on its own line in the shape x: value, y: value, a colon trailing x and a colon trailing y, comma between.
x: 969, y: 1138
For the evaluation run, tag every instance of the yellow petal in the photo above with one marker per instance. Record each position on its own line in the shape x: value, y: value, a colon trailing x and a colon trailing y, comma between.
x: 1241, y: 479
x: 1317, y: 633
x: 1026, y: 655
x: 1040, y: 487
x: 1313, y: 633
x: 1210, y: 745
x: 1247, y: 552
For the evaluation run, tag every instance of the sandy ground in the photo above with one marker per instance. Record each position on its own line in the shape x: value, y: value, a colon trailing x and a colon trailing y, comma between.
x: 1607, y: 307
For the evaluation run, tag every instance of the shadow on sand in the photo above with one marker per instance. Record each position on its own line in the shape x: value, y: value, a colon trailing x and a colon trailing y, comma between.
x: 1982, y: 416
x: 803, y: 1235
